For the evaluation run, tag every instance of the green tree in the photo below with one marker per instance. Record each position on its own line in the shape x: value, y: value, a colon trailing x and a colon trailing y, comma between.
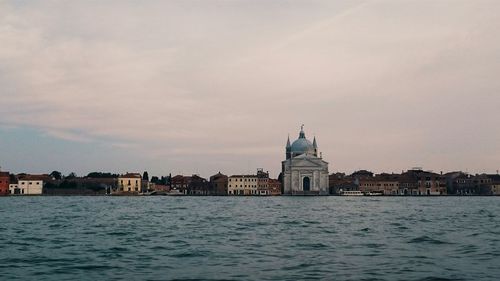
x: 56, y: 175
x: 100, y: 175
x: 155, y: 179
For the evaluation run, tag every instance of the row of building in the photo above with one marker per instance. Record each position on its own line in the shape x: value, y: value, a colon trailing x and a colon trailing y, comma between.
x: 304, y: 172
x: 416, y: 181
x: 22, y: 184
x: 412, y: 182
x: 258, y: 184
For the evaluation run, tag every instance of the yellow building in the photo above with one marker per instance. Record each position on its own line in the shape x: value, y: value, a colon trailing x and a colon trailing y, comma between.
x: 130, y: 182
x: 242, y: 185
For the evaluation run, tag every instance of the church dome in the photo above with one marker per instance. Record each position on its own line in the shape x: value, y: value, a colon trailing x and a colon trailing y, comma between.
x: 302, y: 145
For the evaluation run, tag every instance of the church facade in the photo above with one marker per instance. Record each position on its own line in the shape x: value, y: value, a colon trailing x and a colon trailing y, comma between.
x: 304, y: 172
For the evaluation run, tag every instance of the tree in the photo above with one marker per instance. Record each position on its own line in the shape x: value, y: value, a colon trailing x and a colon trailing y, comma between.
x: 100, y: 175
x: 155, y: 179
x: 56, y: 175
x: 71, y: 175
x: 145, y: 176
x: 68, y: 184
x: 163, y: 180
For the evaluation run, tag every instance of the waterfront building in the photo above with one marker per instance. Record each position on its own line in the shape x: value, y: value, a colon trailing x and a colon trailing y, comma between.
x: 460, y: 183
x: 483, y: 184
x: 28, y: 185
x: 191, y: 185
x: 4, y: 183
x: 304, y: 170
x: 146, y: 186
x: 160, y: 187
x: 199, y: 186
x: 495, y: 184
x: 129, y: 183
x: 386, y: 184
x: 242, y: 185
x: 274, y: 187
x: 341, y: 182
x: 419, y: 182
x: 262, y: 182
x: 219, y: 184
x: 14, y: 187
x: 180, y: 183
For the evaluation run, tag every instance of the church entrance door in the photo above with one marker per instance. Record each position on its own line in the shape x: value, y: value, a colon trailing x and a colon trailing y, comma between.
x: 306, y: 184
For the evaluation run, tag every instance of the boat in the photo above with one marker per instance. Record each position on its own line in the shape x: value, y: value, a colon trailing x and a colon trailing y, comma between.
x: 351, y: 193
x: 175, y: 192
x: 374, y: 193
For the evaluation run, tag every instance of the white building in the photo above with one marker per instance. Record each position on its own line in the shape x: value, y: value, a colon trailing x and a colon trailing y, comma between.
x: 27, y: 185
x: 242, y: 185
x: 304, y: 173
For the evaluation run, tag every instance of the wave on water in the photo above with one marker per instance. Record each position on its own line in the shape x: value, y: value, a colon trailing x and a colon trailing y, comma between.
x: 207, y: 238
x: 427, y: 239
x: 434, y: 278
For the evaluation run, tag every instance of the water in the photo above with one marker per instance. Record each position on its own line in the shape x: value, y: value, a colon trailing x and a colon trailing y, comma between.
x: 236, y: 238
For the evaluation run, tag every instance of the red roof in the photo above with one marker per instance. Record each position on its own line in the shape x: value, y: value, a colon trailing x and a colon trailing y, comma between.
x: 35, y: 178
x: 131, y: 175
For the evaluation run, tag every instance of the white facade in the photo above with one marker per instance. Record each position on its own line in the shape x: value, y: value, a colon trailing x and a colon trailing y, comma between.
x: 26, y: 187
x: 304, y: 173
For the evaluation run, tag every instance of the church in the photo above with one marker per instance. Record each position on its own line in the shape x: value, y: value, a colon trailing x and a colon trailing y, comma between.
x: 304, y: 172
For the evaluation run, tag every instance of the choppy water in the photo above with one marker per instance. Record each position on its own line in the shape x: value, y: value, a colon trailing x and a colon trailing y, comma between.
x: 227, y: 238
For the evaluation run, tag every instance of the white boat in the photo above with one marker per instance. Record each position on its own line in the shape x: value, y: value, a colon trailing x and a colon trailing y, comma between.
x: 351, y: 193
x: 374, y: 194
x: 175, y: 192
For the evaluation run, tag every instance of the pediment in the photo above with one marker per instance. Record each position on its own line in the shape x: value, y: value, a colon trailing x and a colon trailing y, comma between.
x: 307, y: 162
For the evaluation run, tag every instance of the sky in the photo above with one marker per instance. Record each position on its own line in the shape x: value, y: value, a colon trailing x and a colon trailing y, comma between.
x: 197, y: 87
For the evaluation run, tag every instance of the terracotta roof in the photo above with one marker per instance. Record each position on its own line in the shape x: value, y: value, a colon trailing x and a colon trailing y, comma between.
x: 34, y: 178
x: 4, y: 174
x: 131, y: 175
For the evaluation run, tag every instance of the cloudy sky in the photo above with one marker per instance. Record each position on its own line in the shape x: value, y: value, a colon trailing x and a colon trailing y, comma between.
x: 201, y: 86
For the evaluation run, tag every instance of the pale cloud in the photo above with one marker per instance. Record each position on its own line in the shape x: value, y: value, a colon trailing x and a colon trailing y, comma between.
x: 384, y: 85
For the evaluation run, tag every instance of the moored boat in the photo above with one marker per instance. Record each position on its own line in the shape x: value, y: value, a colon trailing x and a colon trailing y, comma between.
x: 351, y: 193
